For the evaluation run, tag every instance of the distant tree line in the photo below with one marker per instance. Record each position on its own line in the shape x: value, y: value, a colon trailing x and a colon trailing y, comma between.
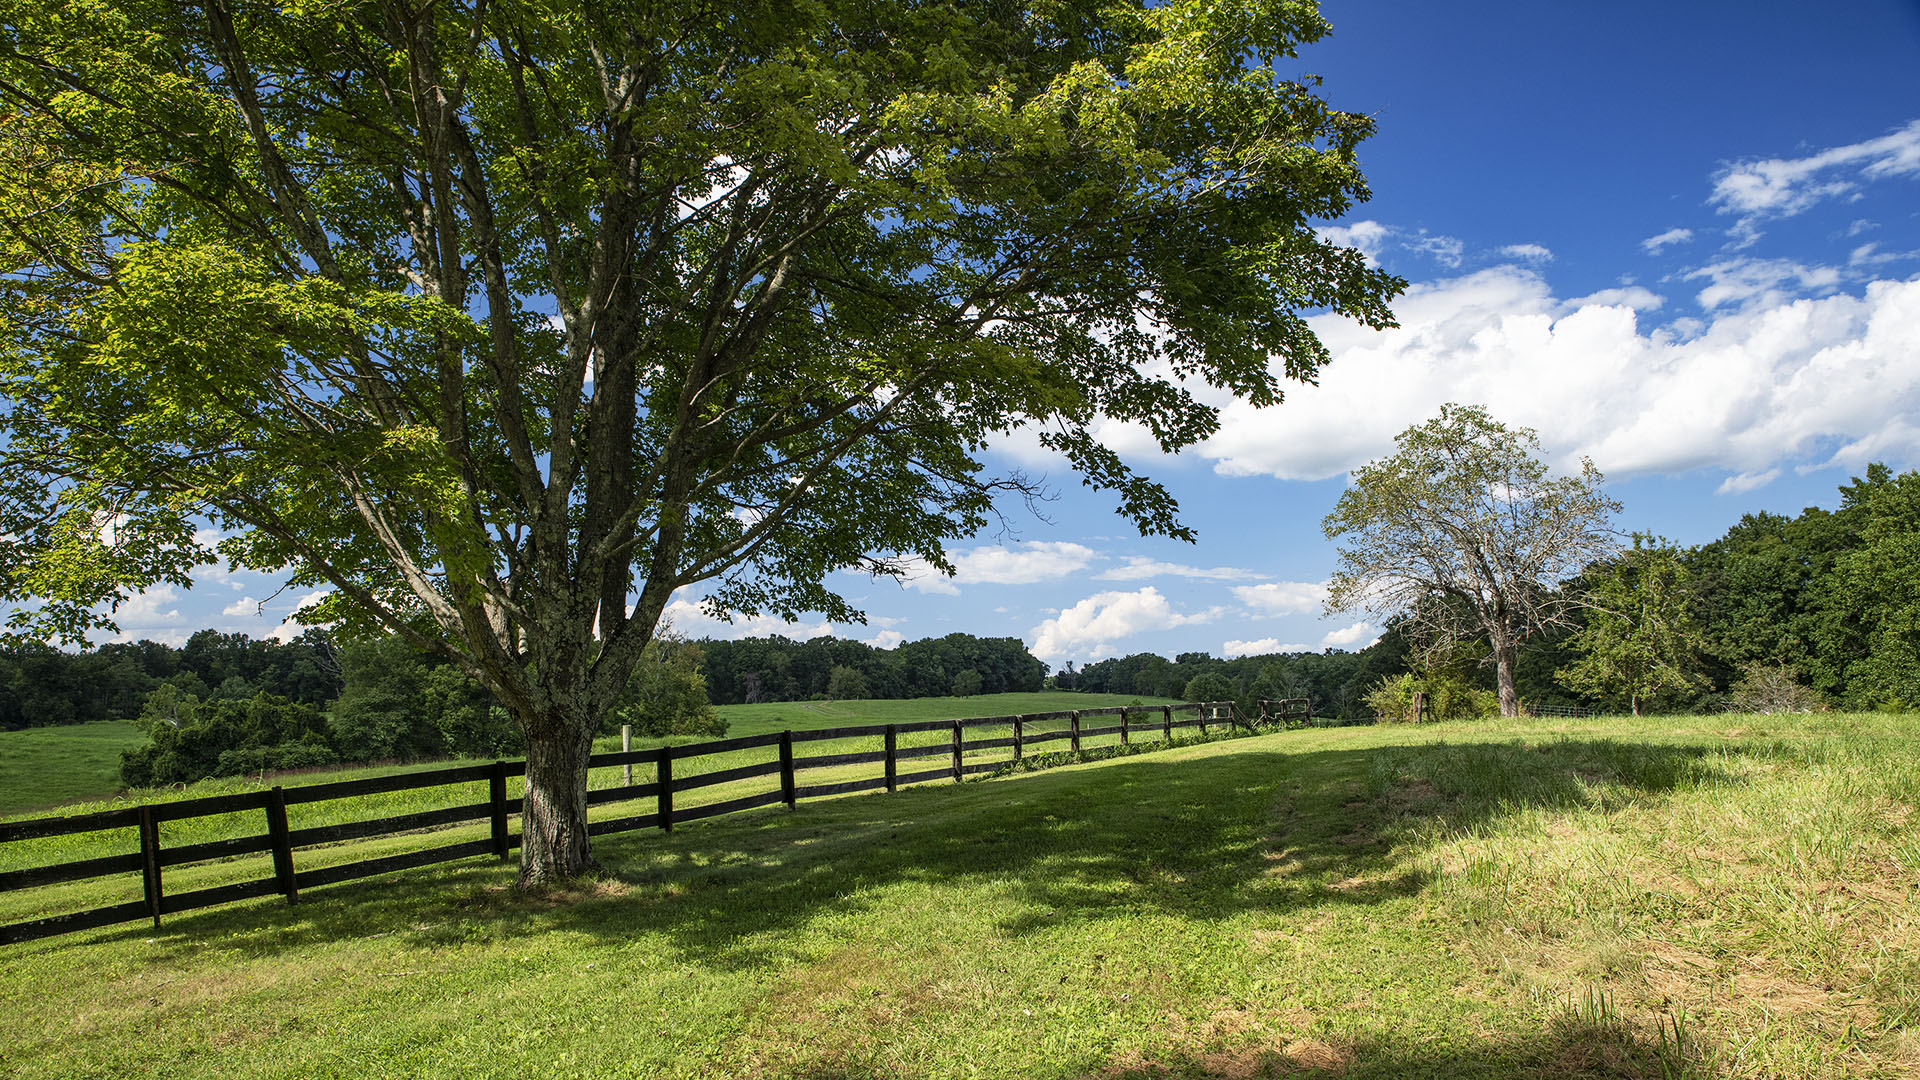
x: 1822, y: 608
x: 226, y: 704
x: 752, y: 670
x: 1335, y: 680
x: 1818, y: 609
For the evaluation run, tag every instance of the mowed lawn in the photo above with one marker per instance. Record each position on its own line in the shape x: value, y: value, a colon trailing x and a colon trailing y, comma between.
x: 1717, y: 896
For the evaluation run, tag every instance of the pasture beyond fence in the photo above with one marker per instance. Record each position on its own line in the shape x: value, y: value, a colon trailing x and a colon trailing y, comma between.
x: 281, y: 841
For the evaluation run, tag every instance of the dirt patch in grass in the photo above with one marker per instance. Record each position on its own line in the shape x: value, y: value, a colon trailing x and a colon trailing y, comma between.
x: 1301, y: 1057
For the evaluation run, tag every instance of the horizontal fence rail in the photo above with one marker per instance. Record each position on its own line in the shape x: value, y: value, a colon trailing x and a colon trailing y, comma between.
x: 265, y: 828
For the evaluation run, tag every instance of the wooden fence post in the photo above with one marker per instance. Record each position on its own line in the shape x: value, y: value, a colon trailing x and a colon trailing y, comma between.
x: 626, y: 747
x: 1200, y: 711
x: 893, y: 761
x: 497, y: 795
x: 1018, y: 734
x: 789, y: 789
x: 957, y: 736
x: 278, y: 833
x: 665, y: 797
x: 1073, y: 726
x: 150, y: 861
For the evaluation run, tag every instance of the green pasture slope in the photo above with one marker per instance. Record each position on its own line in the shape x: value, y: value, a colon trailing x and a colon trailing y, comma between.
x: 51, y: 765
x: 1662, y: 897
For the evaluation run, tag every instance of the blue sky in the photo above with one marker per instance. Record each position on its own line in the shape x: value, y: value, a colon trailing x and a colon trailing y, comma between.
x: 1680, y: 239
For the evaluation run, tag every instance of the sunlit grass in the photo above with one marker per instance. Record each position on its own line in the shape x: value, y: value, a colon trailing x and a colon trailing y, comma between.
x: 1721, y: 896
x: 44, y: 767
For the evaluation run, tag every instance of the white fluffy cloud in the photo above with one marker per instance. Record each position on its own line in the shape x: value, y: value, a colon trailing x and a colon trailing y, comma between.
x: 1263, y: 647
x: 1089, y: 626
x: 291, y: 627
x: 691, y: 620
x: 1758, y: 189
x: 1259, y: 647
x: 1347, y: 636
x: 996, y: 565
x: 1767, y: 380
x: 1655, y: 244
x: 1372, y: 239
x: 1139, y: 567
x: 148, y: 611
x: 242, y: 608
x: 1282, y: 597
x: 1748, y: 282
x: 1529, y: 253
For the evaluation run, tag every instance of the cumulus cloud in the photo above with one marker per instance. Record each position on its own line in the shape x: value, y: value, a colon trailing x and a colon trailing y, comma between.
x: 1767, y: 379
x: 1445, y: 250
x: 1088, y: 627
x: 1746, y: 481
x: 1026, y: 564
x: 241, y: 608
x: 1755, y: 190
x: 1369, y: 236
x: 1630, y: 296
x: 1529, y: 253
x: 292, y: 627
x: 1761, y: 281
x: 1655, y: 244
x: 692, y: 620
x: 151, y: 608
x: 1347, y: 635
x: 1374, y: 239
x: 886, y: 639
x: 1139, y: 567
x: 1263, y: 647
x: 1282, y: 597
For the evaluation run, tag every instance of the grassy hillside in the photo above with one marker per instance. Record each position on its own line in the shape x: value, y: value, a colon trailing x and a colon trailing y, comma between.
x: 1726, y: 896
x: 50, y: 765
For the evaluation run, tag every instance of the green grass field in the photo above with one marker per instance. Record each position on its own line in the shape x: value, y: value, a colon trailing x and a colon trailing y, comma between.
x: 42, y: 767
x: 1665, y: 897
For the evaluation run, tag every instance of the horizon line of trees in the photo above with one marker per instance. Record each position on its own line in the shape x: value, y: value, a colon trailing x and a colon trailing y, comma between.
x: 1818, y: 609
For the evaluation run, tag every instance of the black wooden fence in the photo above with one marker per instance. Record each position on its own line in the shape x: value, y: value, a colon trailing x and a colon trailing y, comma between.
x: 152, y: 860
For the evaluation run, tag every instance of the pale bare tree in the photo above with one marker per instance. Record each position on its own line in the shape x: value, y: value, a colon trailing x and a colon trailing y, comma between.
x: 1465, y: 532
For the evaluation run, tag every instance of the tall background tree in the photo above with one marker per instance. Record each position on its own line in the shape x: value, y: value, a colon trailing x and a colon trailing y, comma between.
x: 1464, y: 532
x: 507, y: 321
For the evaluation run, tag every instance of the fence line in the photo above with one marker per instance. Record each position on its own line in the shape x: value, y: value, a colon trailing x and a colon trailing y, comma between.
x: 283, y: 842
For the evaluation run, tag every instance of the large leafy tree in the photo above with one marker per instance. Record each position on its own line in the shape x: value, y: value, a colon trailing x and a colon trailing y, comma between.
x: 1465, y: 533
x: 505, y: 321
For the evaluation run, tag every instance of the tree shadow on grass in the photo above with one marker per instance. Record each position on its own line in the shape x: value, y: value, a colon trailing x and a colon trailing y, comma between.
x: 1240, y: 826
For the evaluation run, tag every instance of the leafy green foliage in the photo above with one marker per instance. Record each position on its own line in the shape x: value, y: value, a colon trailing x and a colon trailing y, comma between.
x: 1430, y: 697
x: 400, y: 704
x: 1638, y: 637
x: 667, y: 694
x: 228, y: 738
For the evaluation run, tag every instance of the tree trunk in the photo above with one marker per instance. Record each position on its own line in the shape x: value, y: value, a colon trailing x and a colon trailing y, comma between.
x: 1506, y: 655
x: 553, y: 818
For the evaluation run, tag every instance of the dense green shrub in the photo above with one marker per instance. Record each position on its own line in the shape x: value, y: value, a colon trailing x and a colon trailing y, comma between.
x: 226, y: 738
x: 1448, y: 697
